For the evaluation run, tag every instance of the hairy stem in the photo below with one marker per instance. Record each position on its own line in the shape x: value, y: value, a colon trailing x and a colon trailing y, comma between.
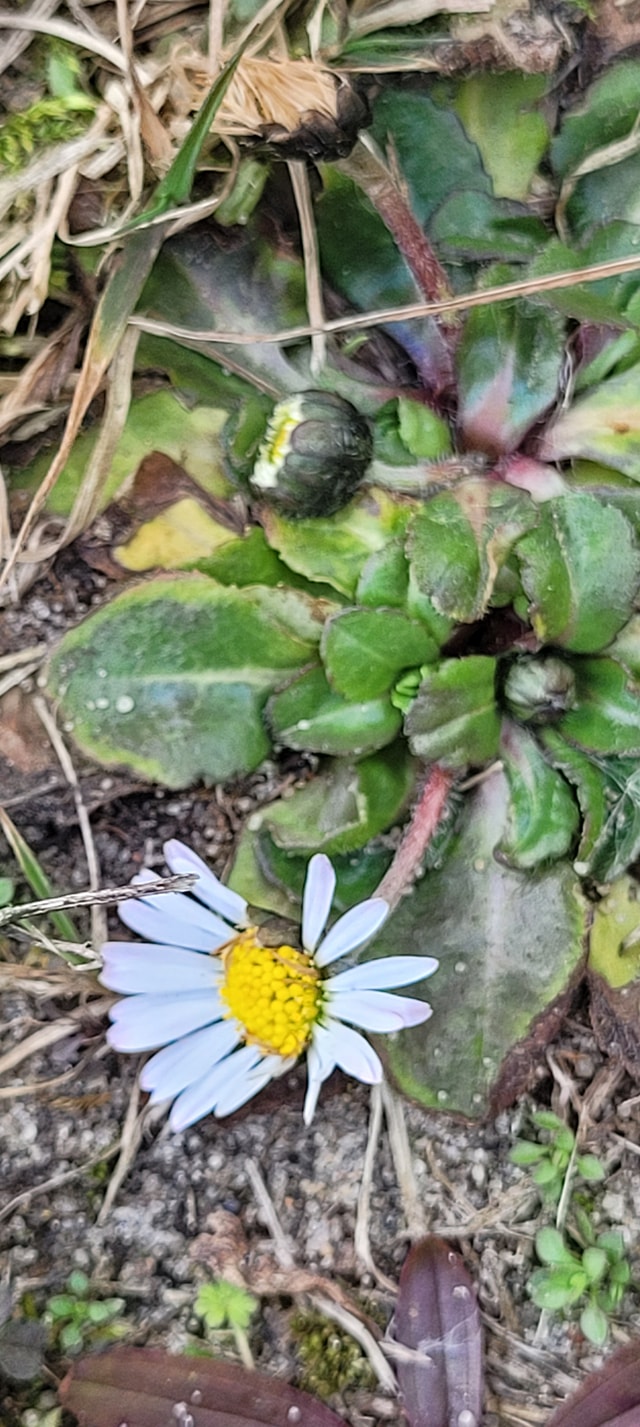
x: 426, y: 815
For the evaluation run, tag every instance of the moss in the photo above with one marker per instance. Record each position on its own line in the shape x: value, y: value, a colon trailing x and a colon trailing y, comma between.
x: 330, y: 1361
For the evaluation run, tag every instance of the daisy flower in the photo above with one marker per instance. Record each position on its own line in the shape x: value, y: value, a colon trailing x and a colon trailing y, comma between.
x: 232, y: 1012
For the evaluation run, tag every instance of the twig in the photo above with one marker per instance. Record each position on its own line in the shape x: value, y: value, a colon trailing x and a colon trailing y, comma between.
x: 108, y: 897
x: 313, y: 282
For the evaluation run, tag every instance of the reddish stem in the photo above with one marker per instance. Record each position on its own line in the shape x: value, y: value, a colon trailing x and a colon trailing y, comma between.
x: 426, y: 815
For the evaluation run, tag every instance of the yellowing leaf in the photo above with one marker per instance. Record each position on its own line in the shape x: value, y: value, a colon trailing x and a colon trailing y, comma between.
x: 181, y: 533
x: 614, y: 952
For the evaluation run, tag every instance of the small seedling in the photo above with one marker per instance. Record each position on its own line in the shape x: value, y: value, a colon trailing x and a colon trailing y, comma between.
x: 551, y: 1159
x: 223, y: 1305
x: 598, y: 1274
x: 77, y: 1319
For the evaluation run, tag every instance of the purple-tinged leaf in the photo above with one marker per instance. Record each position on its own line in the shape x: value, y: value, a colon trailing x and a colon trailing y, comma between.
x: 437, y: 1317
x: 609, y: 1397
x: 146, y: 1387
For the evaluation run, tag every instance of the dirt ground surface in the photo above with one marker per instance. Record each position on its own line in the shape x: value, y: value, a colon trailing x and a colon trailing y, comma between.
x: 92, y: 1180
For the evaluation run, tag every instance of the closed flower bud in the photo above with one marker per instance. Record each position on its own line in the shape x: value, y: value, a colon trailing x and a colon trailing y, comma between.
x: 540, y: 690
x: 314, y: 456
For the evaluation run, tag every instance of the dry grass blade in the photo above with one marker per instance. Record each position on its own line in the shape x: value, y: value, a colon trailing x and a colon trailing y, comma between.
x: 402, y: 1162
x: 528, y: 287
x: 108, y: 897
x: 98, y: 912
x: 129, y: 1143
x: 365, y: 18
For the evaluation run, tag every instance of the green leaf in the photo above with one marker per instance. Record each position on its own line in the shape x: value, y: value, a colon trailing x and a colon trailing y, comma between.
x: 527, y: 1152
x: 594, y: 1324
x: 272, y: 879
x: 509, y: 363
x: 594, y: 1262
x: 580, y: 569
x: 591, y: 790
x: 454, y: 718
x: 364, y: 650
x: 460, y: 540
x: 171, y: 678
x: 606, y: 714
x: 251, y: 561
x: 552, y: 1249
x: 345, y: 808
x: 7, y: 891
x: 603, y: 425
x: 542, y: 818
x: 476, y: 226
x: 308, y: 715
x: 498, y: 112
x: 606, y: 112
x: 222, y: 1302
x: 558, y: 1288
x: 548, y: 1120
x: 590, y: 1168
x: 384, y: 579
x: 425, y: 435
x: 430, y: 148
x: 334, y: 550
x: 508, y: 944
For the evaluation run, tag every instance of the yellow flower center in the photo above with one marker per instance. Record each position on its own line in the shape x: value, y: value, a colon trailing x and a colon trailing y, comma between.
x: 273, y: 991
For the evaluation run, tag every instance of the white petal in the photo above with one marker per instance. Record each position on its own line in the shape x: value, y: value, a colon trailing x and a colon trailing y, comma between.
x: 349, y: 1050
x: 171, y: 924
x: 384, y: 972
x: 319, y: 1069
x: 144, y: 1022
x: 131, y: 967
x: 352, y: 930
x: 201, y: 1098
x: 378, y: 1010
x: 208, y: 888
x: 188, y: 1059
x: 244, y: 1087
x: 316, y: 902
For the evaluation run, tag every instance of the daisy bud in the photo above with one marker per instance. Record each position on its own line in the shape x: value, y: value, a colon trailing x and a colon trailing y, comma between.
x: 314, y: 456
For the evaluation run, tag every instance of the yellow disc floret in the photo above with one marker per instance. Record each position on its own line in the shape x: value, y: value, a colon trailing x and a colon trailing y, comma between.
x: 274, y: 992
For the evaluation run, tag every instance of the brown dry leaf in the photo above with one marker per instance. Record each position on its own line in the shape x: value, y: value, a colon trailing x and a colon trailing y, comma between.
x: 615, y: 1017
x: 23, y: 741
x: 225, y: 1250
x: 516, y: 36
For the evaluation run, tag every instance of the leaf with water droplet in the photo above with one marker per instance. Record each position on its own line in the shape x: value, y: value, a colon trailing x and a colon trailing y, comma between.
x: 146, y: 1387
x: 520, y: 940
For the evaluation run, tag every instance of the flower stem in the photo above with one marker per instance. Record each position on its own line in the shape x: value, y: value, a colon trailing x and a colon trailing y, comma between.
x: 426, y: 815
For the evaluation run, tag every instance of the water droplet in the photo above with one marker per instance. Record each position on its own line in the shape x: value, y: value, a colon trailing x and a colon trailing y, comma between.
x: 443, y: 1095
x: 477, y: 1099
x: 69, y: 726
x: 460, y: 966
x: 436, y: 1052
x: 294, y: 1414
x: 452, y: 1257
x: 102, y: 673
x: 124, y: 704
x: 467, y: 1418
x: 90, y: 704
x: 196, y: 1396
x: 479, y: 864
x: 102, y: 703
x: 461, y: 1291
x: 487, y: 1062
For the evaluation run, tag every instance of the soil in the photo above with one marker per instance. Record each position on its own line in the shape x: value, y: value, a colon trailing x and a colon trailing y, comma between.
x: 130, y: 1217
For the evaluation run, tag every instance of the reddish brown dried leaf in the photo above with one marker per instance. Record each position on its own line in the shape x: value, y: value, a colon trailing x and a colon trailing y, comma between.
x: 146, y: 1387
x: 437, y: 1317
x: 607, y: 1398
